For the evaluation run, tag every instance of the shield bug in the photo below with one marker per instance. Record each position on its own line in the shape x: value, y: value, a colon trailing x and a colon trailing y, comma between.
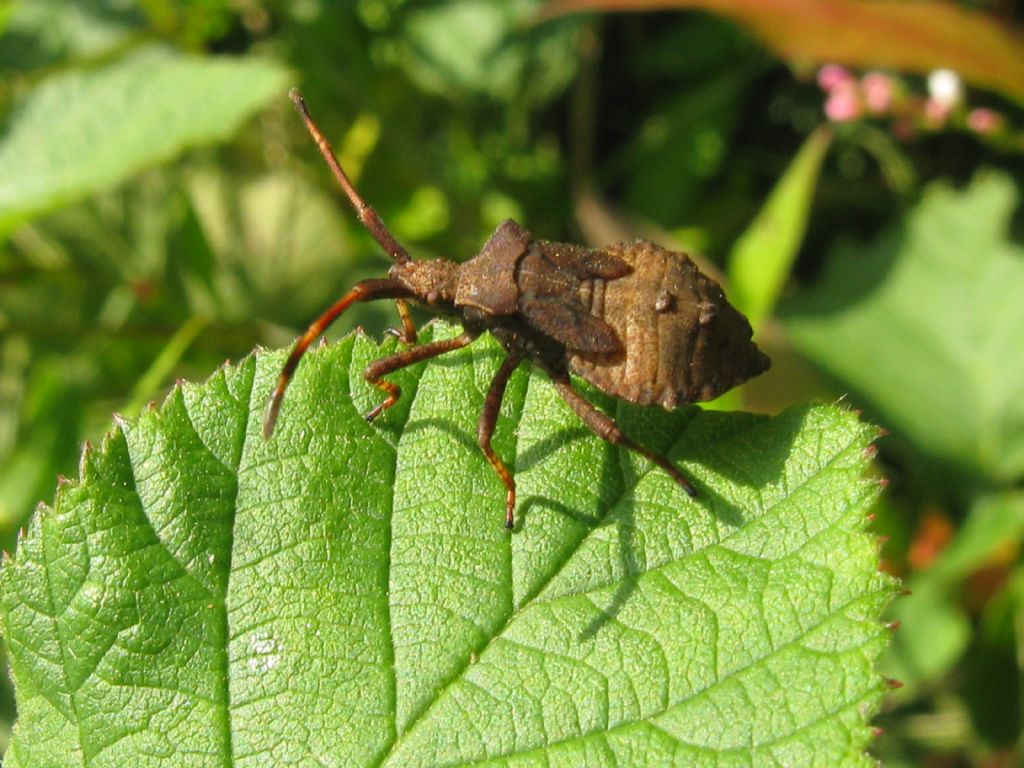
x: 637, y: 321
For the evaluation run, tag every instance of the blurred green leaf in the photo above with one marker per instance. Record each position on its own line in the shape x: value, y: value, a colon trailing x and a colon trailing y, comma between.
x: 83, y: 131
x: 425, y: 214
x: 457, y: 42
x: 482, y: 47
x: 913, y: 37
x: 761, y: 259
x: 279, y: 243
x: 934, y: 633
x: 46, y: 399
x: 993, y: 523
x: 924, y: 324
x: 44, y: 32
x: 680, y: 145
x: 993, y: 659
x: 935, y: 629
x: 191, y: 21
x: 346, y: 592
x: 153, y: 379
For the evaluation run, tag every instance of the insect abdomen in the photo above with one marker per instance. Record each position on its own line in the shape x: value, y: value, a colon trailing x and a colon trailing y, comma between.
x: 681, y: 340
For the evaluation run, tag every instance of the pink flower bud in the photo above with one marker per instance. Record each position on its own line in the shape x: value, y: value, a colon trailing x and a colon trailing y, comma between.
x: 844, y: 103
x: 984, y: 121
x: 831, y: 76
x: 878, y: 90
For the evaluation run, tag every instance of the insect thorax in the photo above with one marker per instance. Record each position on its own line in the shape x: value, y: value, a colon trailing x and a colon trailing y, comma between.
x: 487, y: 282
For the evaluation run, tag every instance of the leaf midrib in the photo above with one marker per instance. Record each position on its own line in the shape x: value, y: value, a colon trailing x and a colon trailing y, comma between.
x: 54, y: 619
x: 225, y: 655
x: 222, y: 600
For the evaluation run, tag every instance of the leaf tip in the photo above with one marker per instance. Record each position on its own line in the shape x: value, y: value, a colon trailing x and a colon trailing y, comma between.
x: 83, y: 460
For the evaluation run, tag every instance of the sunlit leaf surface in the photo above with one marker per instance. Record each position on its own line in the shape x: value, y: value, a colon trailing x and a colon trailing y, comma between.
x: 346, y: 594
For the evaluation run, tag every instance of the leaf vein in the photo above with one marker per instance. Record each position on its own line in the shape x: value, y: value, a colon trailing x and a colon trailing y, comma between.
x: 733, y: 674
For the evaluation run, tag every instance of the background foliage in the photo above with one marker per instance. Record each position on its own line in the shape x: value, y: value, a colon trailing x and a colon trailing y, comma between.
x: 161, y: 209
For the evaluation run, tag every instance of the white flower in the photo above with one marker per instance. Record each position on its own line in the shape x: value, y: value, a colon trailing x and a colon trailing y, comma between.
x: 945, y: 88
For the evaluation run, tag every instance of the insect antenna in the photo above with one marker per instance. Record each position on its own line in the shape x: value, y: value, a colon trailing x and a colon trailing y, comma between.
x: 368, y: 290
x: 367, y: 215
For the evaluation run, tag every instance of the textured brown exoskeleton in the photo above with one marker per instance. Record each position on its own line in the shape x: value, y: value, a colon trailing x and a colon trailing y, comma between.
x: 637, y: 321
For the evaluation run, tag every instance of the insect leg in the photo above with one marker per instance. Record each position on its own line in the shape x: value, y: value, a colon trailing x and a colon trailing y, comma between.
x: 605, y: 427
x: 485, y: 430
x: 408, y: 332
x: 367, y: 290
x: 392, y: 363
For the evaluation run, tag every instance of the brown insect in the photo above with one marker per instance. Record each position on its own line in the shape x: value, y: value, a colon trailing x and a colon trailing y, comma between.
x: 637, y: 321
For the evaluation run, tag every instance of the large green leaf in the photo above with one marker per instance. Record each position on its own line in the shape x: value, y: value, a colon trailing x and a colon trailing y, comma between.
x: 346, y: 594
x: 83, y: 131
x: 925, y: 324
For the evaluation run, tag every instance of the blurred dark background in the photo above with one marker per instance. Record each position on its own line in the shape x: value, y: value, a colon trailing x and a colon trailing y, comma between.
x: 856, y: 188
